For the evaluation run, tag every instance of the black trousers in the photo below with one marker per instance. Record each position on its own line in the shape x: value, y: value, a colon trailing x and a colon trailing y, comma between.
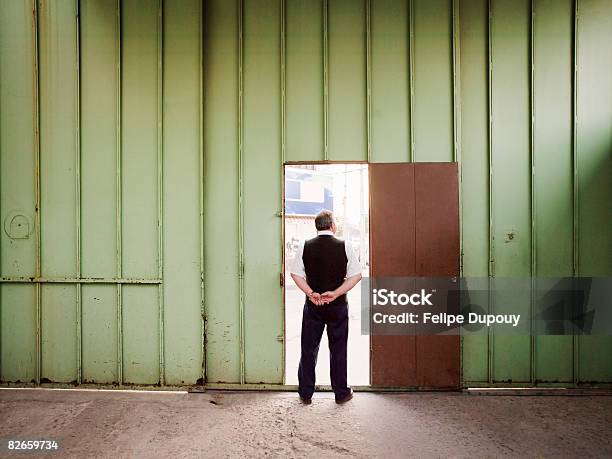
x: 314, y: 320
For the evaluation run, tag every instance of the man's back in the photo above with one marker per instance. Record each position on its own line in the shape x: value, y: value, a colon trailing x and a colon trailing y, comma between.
x: 325, y: 264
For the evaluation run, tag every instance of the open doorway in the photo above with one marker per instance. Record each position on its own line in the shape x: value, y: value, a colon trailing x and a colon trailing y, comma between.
x: 342, y: 189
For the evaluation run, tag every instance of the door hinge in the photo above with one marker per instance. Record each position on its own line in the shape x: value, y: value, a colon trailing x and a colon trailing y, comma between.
x: 281, y: 279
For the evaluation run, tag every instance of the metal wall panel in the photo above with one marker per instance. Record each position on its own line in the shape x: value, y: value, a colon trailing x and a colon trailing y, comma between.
x: 263, y: 296
x: 139, y: 188
x: 19, y: 139
x: 19, y: 319
x: 221, y: 254
x: 182, y: 191
x: 347, y: 80
x: 139, y: 147
x: 140, y: 334
x: 100, y: 334
x: 99, y: 116
x: 474, y: 87
x: 594, y: 168
x: 304, y: 80
x: 433, y: 80
x: 19, y: 333
x: 58, y: 137
x: 552, y: 167
x: 510, y: 150
x: 59, y: 333
x: 99, y: 137
x: 390, y: 81
x: 58, y: 178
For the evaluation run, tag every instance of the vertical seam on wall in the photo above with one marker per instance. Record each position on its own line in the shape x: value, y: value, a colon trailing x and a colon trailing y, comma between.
x: 575, y: 190
x: 369, y: 78
x: 532, y: 159
x: 160, y: 191
x: 283, y: 82
x: 411, y: 76
x: 491, y: 264
x: 414, y: 265
x: 201, y: 193
x: 576, y: 215
x: 118, y: 226
x: 456, y: 61
x: 283, y: 77
x: 325, y: 80
x: 1, y: 217
x: 241, y: 189
x: 37, y: 189
x: 455, y: 50
x: 79, y: 306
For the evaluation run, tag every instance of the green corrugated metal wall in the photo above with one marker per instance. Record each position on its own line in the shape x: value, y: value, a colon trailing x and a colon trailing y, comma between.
x: 141, y: 150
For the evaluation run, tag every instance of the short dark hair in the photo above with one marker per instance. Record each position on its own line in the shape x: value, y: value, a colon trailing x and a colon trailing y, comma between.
x: 324, y: 220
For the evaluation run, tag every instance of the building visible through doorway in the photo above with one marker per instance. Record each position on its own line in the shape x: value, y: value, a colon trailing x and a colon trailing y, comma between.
x: 343, y: 189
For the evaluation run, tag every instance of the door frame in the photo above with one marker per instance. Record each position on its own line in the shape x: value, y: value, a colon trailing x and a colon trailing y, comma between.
x: 282, y: 279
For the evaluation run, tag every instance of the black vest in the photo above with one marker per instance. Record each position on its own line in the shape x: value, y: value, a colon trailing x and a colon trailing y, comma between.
x: 325, y: 265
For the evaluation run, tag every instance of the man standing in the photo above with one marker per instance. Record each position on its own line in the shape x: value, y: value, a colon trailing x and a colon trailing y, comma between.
x: 325, y: 269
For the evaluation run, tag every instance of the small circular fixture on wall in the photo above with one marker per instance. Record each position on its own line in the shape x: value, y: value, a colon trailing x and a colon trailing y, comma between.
x: 18, y: 225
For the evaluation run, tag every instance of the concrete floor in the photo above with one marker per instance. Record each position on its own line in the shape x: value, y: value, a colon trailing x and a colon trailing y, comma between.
x: 224, y: 424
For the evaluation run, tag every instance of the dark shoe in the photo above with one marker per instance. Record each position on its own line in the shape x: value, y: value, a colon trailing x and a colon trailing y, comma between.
x: 346, y: 398
x: 305, y: 401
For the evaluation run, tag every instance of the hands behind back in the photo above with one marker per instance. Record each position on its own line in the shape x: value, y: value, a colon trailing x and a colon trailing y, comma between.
x: 320, y: 299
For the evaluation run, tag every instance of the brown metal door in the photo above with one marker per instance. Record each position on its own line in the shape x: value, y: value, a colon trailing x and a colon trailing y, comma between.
x: 414, y: 232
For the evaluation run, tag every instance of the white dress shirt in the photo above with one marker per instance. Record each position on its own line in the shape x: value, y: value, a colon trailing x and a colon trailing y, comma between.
x: 352, y: 266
